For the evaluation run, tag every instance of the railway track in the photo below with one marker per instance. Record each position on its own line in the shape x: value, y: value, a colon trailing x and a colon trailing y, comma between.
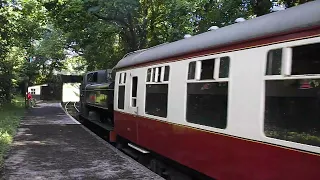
x: 72, y: 108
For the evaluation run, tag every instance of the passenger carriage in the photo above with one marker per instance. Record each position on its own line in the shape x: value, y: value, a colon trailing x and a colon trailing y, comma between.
x: 239, y: 102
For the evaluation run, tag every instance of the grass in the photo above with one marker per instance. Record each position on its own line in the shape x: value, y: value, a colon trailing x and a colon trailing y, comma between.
x: 10, y: 116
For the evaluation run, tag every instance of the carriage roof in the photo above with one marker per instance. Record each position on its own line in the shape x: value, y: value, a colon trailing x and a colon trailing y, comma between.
x: 295, y: 18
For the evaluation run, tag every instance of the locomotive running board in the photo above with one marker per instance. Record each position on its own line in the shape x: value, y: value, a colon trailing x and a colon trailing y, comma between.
x: 138, y: 149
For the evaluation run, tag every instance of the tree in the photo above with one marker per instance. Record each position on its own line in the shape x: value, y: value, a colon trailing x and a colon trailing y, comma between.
x: 260, y: 7
x: 291, y: 3
x: 217, y: 13
x: 102, y: 32
x: 50, y: 53
x: 21, y: 23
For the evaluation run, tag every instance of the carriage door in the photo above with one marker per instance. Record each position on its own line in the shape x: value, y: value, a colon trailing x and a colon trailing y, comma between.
x: 133, y: 106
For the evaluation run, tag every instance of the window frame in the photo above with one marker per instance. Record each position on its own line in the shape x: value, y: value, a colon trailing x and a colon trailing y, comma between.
x: 216, y: 71
x: 91, y: 77
x: 33, y: 91
x: 162, y: 81
x: 286, y: 64
x: 121, y: 82
x: 216, y: 79
x: 155, y: 73
x: 285, y: 76
x: 132, y: 98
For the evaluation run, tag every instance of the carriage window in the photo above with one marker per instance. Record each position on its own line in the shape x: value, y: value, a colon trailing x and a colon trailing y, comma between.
x: 224, y: 67
x: 149, y: 75
x: 121, y: 90
x: 120, y: 78
x: 207, y: 68
x: 134, y: 91
x: 207, y: 104
x: 274, y: 62
x: 292, y: 105
x: 157, y: 94
x: 192, y: 70
x: 124, y: 77
x: 159, y: 74
x: 166, y: 73
x: 154, y: 74
x: 121, y: 97
x: 306, y: 59
x: 292, y: 110
x: 156, y: 99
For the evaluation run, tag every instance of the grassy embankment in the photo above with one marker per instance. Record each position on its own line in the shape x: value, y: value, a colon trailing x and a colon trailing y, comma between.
x: 10, y: 115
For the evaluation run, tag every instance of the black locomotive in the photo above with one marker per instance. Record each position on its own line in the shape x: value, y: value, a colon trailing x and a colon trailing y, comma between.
x: 96, y: 94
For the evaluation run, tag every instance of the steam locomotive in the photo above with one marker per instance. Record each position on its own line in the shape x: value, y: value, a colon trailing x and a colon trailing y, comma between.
x: 96, y: 94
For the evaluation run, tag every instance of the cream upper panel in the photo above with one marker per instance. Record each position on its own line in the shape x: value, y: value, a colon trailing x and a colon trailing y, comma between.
x: 245, y: 117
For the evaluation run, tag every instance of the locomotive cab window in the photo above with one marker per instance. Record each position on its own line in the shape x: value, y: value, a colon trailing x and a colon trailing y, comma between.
x: 156, y: 102
x: 121, y: 90
x: 207, y: 102
x: 92, y: 77
x: 292, y: 103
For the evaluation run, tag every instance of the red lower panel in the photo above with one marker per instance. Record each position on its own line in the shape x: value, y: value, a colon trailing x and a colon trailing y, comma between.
x: 126, y: 126
x: 218, y: 156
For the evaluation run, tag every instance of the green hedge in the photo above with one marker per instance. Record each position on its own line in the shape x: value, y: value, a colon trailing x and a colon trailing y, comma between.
x: 10, y: 116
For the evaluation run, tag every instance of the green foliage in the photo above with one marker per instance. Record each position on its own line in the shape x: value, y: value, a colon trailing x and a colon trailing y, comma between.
x: 9, y: 71
x: 291, y: 3
x: 49, y: 53
x: 10, y: 115
x: 101, y: 32
x: 21, y: 23
x: 217, y: 13
x: 76, y: 65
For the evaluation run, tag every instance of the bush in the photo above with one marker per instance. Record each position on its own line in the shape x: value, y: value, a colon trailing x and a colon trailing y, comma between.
x: 10, y: 115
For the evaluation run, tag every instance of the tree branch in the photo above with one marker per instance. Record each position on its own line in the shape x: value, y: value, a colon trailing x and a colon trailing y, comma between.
x: 117, y: 21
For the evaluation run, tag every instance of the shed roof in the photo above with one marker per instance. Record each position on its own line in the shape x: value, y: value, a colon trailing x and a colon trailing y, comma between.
x: 295, y: 18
